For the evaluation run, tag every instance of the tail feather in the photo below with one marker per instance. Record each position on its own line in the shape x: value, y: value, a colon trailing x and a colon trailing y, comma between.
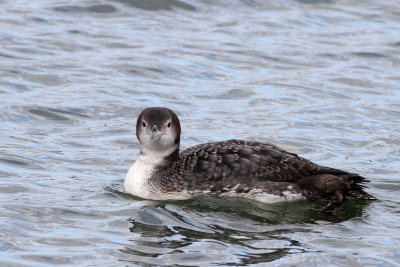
x: 335, y: 187
x: 357, y: 186
x: 356, y: 183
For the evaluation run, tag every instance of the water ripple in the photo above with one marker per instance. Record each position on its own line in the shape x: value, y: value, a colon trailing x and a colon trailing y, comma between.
x: 319, y: 78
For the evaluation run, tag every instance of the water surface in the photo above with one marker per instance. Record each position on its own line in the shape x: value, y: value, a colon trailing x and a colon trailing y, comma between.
x: 320, y: 78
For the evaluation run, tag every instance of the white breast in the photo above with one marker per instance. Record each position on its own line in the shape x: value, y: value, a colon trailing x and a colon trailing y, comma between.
x: 137, y: 179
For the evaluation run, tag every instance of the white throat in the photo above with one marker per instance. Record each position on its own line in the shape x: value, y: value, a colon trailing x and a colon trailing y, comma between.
x: 155, y: 155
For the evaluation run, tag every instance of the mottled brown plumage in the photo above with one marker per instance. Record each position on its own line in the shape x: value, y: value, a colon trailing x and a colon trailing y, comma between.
x: 244, y: 168
x: 219, y: 166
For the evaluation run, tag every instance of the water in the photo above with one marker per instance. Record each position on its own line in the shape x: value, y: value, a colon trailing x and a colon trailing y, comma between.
x: 320, y: 78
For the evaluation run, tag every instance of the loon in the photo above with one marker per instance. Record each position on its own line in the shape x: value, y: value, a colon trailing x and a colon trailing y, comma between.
x: 233, y: 168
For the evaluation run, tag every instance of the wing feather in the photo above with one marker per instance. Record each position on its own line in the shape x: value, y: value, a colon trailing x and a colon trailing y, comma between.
x: 244, y: 160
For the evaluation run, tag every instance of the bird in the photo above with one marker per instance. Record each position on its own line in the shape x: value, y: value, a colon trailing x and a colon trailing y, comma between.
x: 233, y: 168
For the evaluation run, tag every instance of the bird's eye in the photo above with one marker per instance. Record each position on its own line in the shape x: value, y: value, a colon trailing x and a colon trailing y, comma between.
x: 169, y: 124
x: 144, y: 124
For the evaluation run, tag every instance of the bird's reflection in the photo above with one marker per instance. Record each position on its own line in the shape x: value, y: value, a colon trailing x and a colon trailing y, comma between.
x: 173, y: 229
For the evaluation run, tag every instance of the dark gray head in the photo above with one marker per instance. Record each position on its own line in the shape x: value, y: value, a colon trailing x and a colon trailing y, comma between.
x: 158, y: 129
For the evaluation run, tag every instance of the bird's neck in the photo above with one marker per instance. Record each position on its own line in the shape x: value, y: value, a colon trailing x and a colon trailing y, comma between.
x: 159, y: 157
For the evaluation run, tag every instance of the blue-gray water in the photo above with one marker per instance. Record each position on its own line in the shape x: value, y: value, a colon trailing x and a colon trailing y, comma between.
x: 318, y: 77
